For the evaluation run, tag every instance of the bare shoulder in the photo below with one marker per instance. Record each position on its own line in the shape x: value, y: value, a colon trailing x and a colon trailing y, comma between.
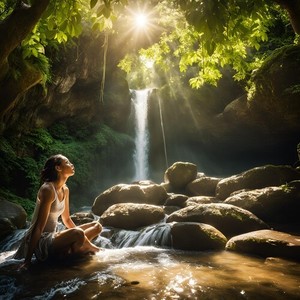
x: 66, y: 189
x: 46, y: 192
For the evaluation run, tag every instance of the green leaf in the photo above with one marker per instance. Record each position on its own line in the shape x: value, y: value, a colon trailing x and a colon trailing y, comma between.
x: 93, y: 3
x: 106, y: 12
x: 100, y: 10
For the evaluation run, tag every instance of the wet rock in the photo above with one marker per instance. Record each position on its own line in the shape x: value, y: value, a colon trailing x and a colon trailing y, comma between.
x: 229, y: 219
x: 266, y: 243
x: 144, y: 182
x: 129, y: 193
x: 180, y: 174
x: 200, y: 200
x: 170, y: 209
x: 132, y: 215
x: 176, y: 200
x: 256, y: 178
x: 82, y: 218
x: 273, y: 204
x: 12, y: 216
x: 203, y: 186
x: 167, y: 186
x: 200, y: 237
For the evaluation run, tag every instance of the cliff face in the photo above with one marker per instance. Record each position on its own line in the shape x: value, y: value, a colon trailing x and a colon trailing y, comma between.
x: 75, y: 90
x: 70, y: 118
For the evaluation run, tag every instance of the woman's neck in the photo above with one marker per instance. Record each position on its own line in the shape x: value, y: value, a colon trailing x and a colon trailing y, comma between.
x: 59, y: 183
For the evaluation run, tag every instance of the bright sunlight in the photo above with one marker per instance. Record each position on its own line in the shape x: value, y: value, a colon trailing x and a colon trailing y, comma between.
x: 141, y: 20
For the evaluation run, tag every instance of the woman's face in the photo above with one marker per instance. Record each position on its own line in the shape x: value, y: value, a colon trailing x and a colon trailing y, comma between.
x: 66, y: 168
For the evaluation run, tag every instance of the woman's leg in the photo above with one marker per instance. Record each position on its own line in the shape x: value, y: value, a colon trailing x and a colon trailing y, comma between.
x: 91, y: 230
x: 69, y: 240
x: 72, y: 240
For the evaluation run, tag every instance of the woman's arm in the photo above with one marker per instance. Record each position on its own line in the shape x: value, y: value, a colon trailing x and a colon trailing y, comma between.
x: 46, y: 196
x: 66, y: 214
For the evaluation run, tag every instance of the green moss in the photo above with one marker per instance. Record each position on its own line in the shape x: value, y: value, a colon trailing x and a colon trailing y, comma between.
x: 27, y: 204
x: 272, y: 65
x: 93, y: 149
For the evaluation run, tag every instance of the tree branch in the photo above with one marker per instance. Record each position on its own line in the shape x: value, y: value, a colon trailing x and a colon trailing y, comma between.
x: 293, y: 9
x: 15, y: 28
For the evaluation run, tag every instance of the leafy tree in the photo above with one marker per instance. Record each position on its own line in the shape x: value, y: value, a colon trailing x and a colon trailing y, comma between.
x: 210, y: 35
x: 28, y: 28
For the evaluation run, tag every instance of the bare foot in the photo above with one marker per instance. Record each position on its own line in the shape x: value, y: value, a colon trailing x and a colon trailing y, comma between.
x: 89, y: 248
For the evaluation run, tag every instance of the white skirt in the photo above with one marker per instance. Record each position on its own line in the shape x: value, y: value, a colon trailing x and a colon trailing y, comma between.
x: 42, y: 250
x: 43, y: 247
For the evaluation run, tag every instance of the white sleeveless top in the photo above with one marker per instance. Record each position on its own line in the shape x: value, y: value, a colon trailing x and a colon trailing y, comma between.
x: 57, y: 208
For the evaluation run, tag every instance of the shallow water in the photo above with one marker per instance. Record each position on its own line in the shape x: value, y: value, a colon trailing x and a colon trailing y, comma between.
x: 153, y: 273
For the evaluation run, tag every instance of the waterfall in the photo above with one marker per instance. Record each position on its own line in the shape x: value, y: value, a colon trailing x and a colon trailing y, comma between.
x: 140, y: 102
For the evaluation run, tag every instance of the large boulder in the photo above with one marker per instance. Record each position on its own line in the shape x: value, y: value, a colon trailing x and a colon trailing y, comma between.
x: 80, y: 218
x: 176, y: 200
x: 229, y: 219
x: 266, y: 243
x: 200, y: 200
x: 12, y: 216
x: 256, y: 178
x: 132, y: 215
x: 196, y: 237
x: 180, y: 174
x: 203, y: 186
x: 133, y: 193
x: 274, y: 204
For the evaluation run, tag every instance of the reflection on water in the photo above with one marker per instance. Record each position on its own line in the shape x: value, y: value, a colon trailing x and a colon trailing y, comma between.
x: 152, y: 273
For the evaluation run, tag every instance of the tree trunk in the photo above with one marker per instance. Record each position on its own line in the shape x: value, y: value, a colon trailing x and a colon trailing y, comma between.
x: 293, y: 9
x: 11, y: 89
x: 15, y: 28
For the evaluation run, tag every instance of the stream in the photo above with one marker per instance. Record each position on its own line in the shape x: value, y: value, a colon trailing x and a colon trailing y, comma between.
x: 148, y: 272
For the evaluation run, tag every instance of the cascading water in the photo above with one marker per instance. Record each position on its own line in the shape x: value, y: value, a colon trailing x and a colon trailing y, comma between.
x: 140, y: 102
x: 155, y: 235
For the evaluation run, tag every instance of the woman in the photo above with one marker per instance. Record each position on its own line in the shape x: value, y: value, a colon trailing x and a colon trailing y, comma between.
x: 42, y: 239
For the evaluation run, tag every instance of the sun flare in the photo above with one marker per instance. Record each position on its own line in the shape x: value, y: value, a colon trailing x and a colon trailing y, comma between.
x: 141, y: 20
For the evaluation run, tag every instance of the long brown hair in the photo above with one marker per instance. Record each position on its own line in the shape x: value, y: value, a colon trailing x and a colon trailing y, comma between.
x: 49, y: 172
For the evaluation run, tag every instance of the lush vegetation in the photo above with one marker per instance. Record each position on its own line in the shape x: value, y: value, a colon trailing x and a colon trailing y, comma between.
x: 201, y: 38
x: 29, y: 31
x: 92, y: 150
x: 204, y: 36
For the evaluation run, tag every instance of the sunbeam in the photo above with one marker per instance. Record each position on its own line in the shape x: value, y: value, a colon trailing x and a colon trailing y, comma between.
x: 141, y: 20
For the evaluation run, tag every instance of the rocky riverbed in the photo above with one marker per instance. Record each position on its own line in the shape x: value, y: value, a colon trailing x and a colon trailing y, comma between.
x: 190, y: 236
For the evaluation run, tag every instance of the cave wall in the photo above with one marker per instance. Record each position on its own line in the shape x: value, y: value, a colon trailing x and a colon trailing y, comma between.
x: 225, y: 131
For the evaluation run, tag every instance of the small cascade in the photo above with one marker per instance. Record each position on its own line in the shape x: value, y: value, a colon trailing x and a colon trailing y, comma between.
x: 155, y: 235
x: 12, y: 241
x: 140, y: 102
